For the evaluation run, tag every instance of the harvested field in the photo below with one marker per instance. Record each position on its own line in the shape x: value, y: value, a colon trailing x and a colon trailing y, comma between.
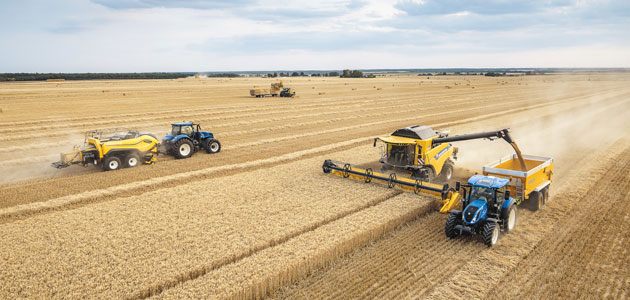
x: 261, y: 219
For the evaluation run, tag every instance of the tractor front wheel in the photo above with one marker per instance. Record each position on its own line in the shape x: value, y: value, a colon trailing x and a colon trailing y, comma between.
x: 111, y: 163
x: 213, y: 146
x: 451, y: 221
x: 183, y: 148
x: 490, y: 233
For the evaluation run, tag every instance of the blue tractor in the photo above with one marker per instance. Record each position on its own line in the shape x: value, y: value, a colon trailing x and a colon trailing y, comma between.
x: 488, y: 209
x: 187, y: 138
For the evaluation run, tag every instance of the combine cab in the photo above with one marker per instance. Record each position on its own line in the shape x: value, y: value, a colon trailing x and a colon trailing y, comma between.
x: 187, y: 138
x: 112, y: 150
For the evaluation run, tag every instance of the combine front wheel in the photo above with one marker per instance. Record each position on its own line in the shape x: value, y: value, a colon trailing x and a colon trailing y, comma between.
x: 447, y: 172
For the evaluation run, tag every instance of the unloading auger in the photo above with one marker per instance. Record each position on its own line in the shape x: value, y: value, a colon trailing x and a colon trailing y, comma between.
x: 450, y: 196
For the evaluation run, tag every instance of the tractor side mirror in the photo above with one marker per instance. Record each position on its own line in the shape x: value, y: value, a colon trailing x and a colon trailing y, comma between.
x: 374, y: 142
x: 458, y: 185
x: 507, y: 195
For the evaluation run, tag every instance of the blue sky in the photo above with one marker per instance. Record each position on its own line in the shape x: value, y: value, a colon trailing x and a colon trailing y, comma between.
x: 214, y: 35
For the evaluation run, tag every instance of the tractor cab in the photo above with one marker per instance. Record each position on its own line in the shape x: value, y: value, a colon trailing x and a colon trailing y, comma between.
x: 486, y: 198
x: 184, y: 128
x: 187, y: 138
x: 487, y: 209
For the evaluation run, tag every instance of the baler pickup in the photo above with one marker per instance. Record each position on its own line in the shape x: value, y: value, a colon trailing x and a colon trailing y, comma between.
x: 449, y: 196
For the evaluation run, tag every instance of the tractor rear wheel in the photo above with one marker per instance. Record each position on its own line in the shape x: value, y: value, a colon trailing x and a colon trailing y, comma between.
x: 132, y: 160
x: 111, y: 163
x: 451, y: 221
x: 213, y: 146
x: 183, y: 148
x: 490, y: 233
x: 510, y: 218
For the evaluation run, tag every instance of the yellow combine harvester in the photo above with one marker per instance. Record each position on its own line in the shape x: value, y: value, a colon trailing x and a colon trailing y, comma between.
x: 427, y: 153
x: 423, y: 152
x: 112, y: 149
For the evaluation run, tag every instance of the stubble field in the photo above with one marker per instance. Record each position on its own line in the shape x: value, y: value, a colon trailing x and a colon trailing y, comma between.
x: 260, y: 219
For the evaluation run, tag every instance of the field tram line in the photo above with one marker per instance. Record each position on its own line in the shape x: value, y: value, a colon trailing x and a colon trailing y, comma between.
x: 462, y: 284
x: 202, y: 119
x: 57, y: 203
x: 407, y: 102
x: 234, y: 108
x: 115, y: 119
x: 410, y: 99
x: 194, y: 274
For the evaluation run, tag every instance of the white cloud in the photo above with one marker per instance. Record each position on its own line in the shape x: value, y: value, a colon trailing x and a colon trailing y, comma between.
x: 80, y: 36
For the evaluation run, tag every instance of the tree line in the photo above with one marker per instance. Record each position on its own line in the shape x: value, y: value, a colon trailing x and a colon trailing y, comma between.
x: 95, y: 76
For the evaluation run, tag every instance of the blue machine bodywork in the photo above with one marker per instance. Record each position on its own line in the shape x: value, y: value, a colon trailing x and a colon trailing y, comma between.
x: 487, y: 209
x: 186, y: 130
x: 475, y: 212
x: 488, y: 181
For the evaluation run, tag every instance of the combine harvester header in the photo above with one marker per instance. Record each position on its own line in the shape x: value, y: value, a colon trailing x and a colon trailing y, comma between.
x: 450, y: 197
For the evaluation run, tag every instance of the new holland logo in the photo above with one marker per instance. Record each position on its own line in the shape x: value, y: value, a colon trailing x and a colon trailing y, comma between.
x: 442, y: 152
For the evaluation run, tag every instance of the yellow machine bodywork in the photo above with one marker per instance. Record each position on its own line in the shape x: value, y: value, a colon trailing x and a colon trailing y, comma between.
x: 129, y: 148
x: 450, y: 197
x: 537, y: 176
x: 145, y: 144
x: 417, y: 154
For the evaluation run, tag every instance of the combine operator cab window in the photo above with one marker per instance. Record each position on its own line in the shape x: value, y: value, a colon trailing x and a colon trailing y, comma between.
x: 401, y: 155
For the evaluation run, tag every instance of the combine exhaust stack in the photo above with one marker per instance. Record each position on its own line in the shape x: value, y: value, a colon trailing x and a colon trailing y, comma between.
x: 449, y: 196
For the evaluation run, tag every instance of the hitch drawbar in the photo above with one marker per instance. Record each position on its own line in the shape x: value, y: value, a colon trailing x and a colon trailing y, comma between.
x: 449, y: 196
